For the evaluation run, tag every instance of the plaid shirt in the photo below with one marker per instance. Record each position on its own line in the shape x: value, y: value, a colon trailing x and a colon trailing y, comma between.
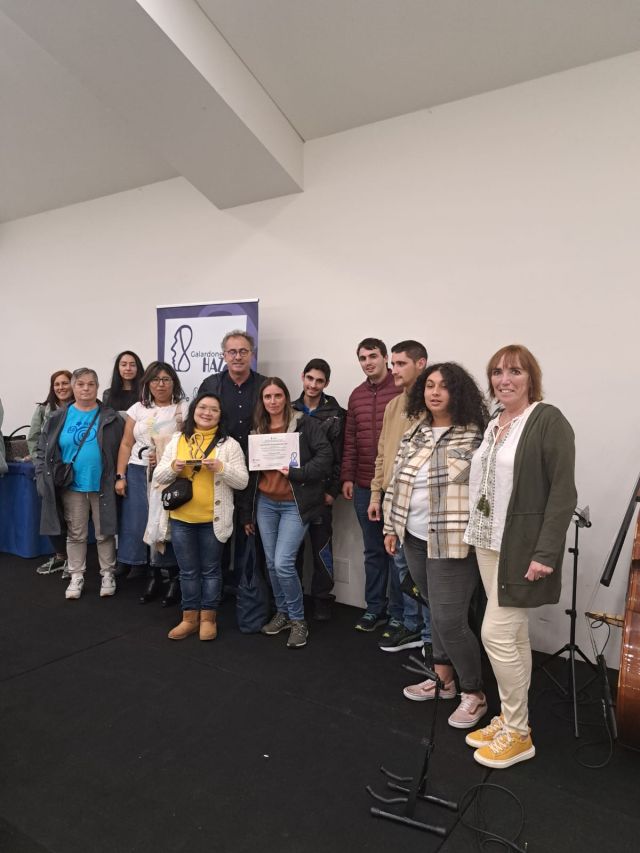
x: 448, y: 483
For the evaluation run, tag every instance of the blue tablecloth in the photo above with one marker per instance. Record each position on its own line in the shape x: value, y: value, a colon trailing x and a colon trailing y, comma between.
x: 20, y: 513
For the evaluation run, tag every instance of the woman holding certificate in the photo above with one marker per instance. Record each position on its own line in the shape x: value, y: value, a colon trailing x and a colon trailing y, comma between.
x: 282, y: 500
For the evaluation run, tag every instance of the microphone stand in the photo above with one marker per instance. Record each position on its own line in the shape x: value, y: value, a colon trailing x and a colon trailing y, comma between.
x: 581, y: 519
x: 415, y: 787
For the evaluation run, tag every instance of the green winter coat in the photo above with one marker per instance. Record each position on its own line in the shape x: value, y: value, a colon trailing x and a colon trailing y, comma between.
x: 539, y: 512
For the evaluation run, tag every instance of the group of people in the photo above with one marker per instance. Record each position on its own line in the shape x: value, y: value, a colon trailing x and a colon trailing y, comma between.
x: 447, y: 496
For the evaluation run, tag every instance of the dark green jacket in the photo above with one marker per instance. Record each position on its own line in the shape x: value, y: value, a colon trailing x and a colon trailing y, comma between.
x: 539, y: 512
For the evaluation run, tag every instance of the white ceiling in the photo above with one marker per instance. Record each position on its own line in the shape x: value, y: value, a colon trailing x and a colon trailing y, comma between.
x: 100, y: 97
x: 331, y: 65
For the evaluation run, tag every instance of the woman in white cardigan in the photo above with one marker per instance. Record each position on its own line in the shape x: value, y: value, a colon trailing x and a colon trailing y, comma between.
x: 215, y: 464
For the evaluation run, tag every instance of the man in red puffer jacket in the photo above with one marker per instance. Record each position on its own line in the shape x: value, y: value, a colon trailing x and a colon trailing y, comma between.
x: 362, y: 430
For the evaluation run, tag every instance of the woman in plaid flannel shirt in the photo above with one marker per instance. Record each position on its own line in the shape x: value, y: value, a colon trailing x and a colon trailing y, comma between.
x: 427, y: 509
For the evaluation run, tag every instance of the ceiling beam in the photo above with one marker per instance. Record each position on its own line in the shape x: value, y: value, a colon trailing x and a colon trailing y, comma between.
x: 165, y: 69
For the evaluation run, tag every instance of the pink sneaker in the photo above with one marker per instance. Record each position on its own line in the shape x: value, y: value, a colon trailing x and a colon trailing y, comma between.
x: 427, y: 690
x: 472, y: 709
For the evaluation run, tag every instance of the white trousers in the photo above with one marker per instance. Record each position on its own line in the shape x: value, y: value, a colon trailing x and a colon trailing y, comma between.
x: 505, y: 636
x: 77, y: 506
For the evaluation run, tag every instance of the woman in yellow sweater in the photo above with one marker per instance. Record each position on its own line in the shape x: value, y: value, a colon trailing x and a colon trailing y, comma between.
x: 214, y: 462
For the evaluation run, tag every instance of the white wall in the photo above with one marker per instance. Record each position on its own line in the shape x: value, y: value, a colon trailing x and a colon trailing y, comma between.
x: 512, y: 216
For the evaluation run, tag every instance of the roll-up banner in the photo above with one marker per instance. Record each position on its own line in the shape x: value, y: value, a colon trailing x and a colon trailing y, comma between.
x: 190, y: 337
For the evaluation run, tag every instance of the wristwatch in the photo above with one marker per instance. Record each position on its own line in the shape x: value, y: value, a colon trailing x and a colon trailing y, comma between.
x: 121, y: 476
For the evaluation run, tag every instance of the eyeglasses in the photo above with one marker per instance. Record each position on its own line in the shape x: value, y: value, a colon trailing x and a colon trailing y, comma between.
x: 234, y: 352
x: 161, y: 380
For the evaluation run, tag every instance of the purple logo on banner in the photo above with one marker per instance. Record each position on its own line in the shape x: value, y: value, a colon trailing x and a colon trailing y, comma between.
x: 190, y: 337
x: 180, y: 349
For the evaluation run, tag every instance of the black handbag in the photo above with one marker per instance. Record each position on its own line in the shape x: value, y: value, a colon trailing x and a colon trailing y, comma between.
x: 178, y: 493
x: 62, y: 475
x: 63, y: 471
x: 181, y: 490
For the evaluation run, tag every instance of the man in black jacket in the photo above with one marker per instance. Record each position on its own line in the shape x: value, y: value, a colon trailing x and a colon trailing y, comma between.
x: 330, y: 415
x: 237, y: 388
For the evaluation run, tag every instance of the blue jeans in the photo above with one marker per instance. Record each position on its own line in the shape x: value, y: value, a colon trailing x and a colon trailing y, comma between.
x: 134, y: 513
x: 416, y: 616
x: 378, y: 565
x: 198, y: 552
x: 282, y: 532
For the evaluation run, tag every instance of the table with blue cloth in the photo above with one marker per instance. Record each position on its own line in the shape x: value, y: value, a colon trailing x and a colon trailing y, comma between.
x: 20, y: 513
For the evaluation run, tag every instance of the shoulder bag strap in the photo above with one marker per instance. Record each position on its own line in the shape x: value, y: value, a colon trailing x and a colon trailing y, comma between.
x: 84, y: 437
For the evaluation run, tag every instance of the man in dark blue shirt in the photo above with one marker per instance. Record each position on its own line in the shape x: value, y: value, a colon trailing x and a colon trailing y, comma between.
x: 237, y: 387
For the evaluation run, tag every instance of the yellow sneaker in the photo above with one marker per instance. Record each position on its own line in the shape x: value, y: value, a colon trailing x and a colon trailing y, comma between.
x: 505, y: 749
x: 481, y: 737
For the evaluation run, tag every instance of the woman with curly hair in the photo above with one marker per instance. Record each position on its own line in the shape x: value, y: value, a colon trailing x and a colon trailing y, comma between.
x: 426, y: 508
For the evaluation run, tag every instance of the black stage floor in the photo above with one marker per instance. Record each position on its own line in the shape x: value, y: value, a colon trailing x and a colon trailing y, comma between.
x: 116, y: 739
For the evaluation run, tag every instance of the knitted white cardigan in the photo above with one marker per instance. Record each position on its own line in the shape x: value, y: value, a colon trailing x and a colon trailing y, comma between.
x: 234, y: 475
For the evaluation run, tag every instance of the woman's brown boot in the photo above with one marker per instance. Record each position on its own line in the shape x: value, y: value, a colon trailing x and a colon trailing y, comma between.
x: 208, y: 627
x: 189, y: 625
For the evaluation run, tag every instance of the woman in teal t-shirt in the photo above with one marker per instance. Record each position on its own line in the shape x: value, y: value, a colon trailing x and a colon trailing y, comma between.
x: 87, y: 435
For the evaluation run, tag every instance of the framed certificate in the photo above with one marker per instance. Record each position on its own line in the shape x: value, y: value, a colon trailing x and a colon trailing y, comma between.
x: 274, y: 451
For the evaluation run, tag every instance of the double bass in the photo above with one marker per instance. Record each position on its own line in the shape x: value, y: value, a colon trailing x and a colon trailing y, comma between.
x: 628, y: 696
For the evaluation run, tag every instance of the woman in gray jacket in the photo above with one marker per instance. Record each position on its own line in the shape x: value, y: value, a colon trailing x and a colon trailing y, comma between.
x: 88, y: 435
x: 521, y: 496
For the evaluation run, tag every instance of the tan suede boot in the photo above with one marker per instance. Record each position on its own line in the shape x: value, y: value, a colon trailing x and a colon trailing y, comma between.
x: 208, y: 627
x: 189, y: 625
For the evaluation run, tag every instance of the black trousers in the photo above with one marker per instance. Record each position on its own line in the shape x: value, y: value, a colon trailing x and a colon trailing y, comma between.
x: 320, y: 536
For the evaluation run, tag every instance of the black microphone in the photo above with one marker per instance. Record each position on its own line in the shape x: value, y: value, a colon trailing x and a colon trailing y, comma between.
x: 583, y: 516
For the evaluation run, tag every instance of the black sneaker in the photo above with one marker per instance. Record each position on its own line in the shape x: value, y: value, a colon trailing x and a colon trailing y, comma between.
x: 400, y: 639
x: 370, y: 621
x: 53, y: 564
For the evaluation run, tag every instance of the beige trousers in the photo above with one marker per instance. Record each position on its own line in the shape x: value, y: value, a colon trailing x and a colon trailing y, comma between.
x: 77, y: 506
x: 505, y: 636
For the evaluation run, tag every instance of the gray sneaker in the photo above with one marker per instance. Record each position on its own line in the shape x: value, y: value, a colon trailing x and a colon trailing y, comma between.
x: 298, y: 634
x: 280, y: 622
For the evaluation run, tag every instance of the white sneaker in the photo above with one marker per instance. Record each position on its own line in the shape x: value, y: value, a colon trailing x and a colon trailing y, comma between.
x: 74, y: 590
x: 108, y: 585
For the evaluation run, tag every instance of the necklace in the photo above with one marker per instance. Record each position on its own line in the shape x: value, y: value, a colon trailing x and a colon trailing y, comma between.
x: 484, y: 504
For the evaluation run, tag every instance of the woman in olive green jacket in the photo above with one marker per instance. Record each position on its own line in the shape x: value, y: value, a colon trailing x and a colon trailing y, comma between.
x: 521, y: 496
x: 60, y: 395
